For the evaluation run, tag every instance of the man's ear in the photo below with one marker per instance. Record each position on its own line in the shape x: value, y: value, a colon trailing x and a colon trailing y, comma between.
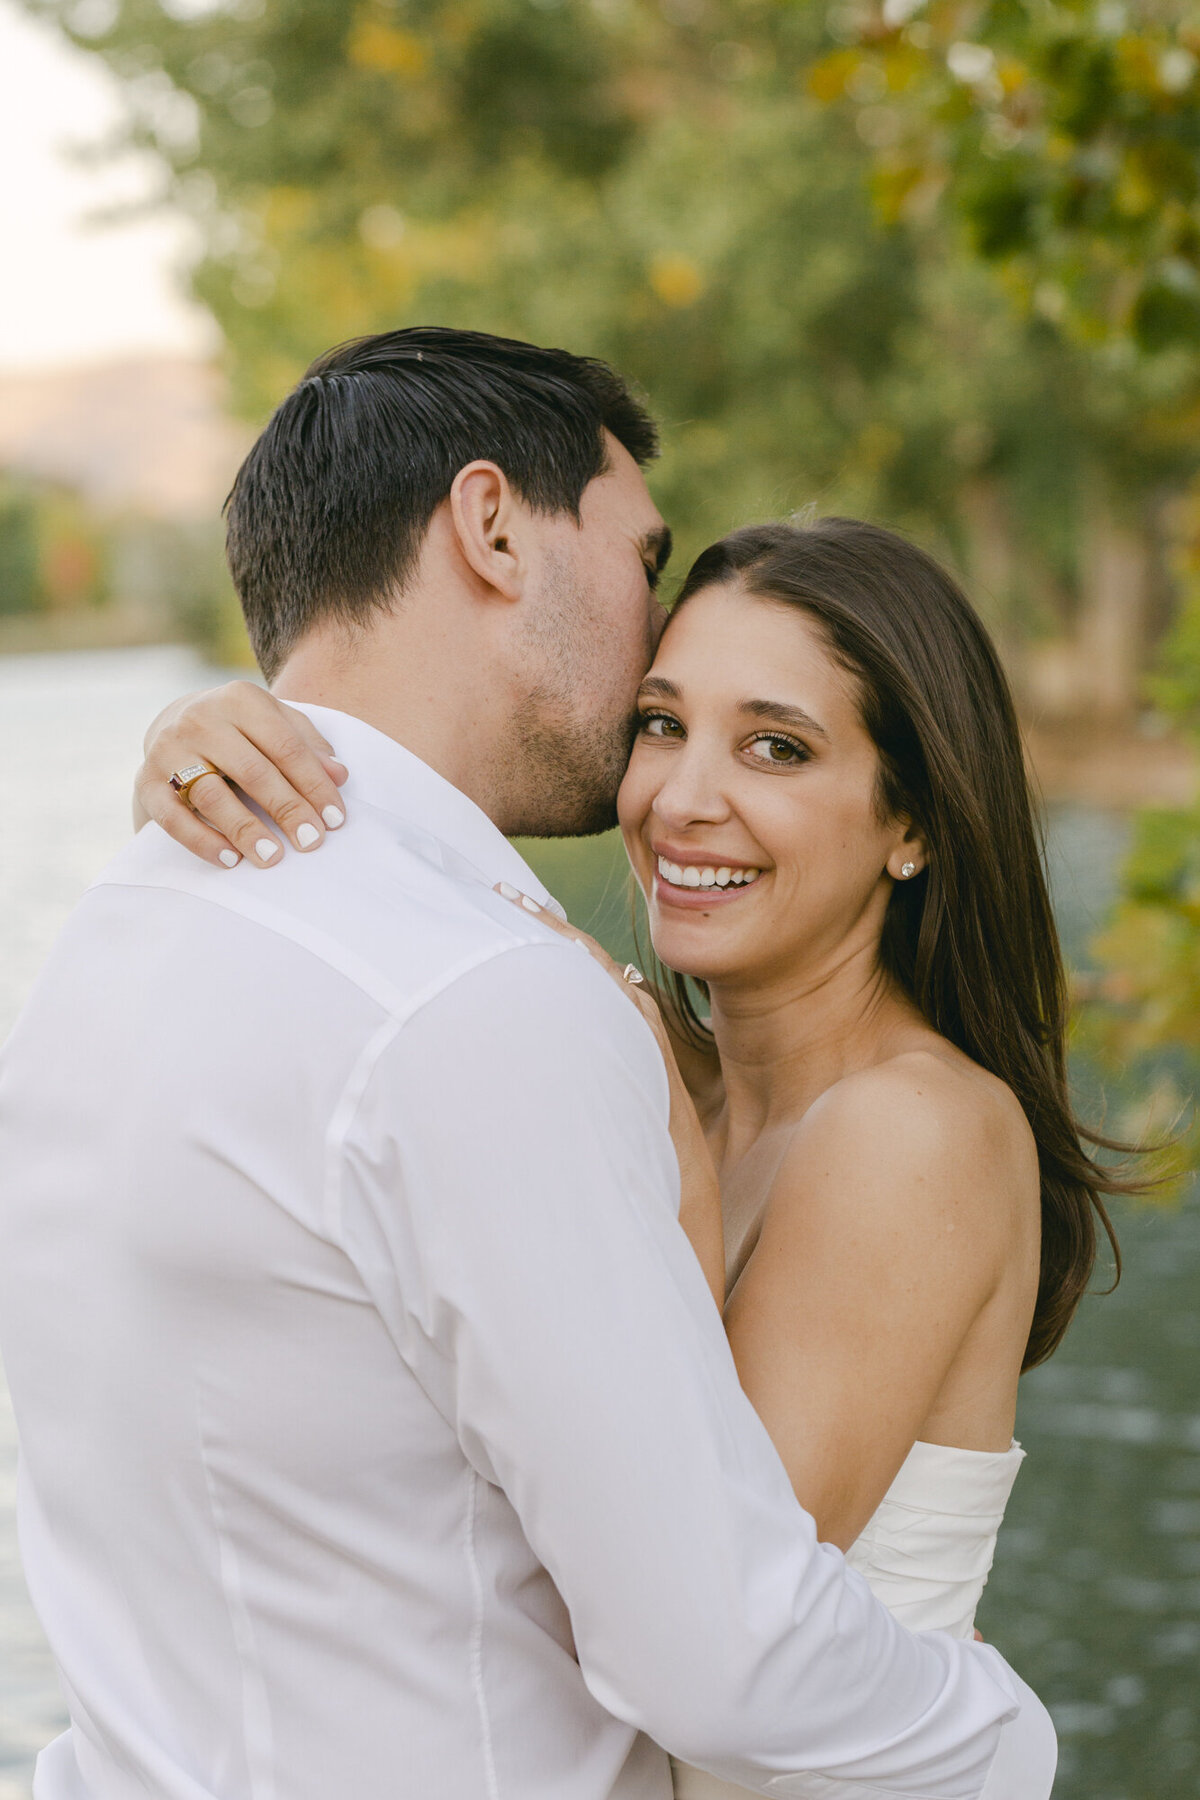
x: 488, y: 522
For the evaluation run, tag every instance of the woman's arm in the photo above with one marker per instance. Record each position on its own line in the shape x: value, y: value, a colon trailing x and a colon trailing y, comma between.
x: 901, y: 1213
x: 270, y: 751
x: 698, y: 1063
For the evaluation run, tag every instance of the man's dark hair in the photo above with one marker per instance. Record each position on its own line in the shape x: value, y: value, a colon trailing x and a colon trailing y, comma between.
x: 329, y: 510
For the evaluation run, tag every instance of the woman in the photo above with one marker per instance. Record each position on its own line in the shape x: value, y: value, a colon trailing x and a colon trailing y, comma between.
x: 827, y: 812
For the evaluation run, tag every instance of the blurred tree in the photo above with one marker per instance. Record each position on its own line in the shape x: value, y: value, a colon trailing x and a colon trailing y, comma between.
x: 1145, y: 1018
x: 1064, y: 133
x: 647, y: 182
x: 752, y: 206
x: 19, y: 586
x: 1061, y: 140
x: 72, y: 552
x: 53, y: 550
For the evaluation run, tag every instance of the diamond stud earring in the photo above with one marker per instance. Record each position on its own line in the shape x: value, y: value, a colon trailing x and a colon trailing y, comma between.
x: 908, y: 869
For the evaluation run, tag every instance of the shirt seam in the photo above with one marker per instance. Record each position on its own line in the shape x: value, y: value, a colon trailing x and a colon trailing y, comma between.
x: 476, y: 1642
x: 257, y: 1731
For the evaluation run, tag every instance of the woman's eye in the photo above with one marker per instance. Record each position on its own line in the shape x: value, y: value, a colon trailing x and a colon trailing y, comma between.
x: 660, y: 725
x: 781, y: 752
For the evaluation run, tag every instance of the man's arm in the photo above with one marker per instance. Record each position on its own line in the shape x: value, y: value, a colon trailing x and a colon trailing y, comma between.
x: 509, y: 1194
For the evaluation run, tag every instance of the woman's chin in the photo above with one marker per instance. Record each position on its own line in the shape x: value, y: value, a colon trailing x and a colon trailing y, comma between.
x: 680, y: 945
x: 706, y: 933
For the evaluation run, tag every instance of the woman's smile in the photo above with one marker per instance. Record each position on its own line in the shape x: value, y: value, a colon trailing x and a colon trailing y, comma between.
x: 696, y: 879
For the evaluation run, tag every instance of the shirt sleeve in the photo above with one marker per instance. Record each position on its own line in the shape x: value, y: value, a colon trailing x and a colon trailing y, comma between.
x: 510, y: 1192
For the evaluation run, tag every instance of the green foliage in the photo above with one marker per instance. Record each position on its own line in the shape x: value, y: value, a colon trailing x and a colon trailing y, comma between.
x: 62, y: 560
x: 53, y: 553
x: 1146, y: 1011
x: 753, y: 207
x: 1064, y: 133
x: 19, y: 587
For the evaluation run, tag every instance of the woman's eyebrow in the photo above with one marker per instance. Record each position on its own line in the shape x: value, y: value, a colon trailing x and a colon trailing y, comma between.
x: 657, y: 687
x: 783, y: 714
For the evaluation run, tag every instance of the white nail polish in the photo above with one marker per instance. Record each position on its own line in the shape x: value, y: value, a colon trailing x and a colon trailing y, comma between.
x: 265, y: 849
x: 230, y: 858
x: 333, y: 816
x: 307, y: 836
x: 337, y: 762
x: 508, y: 892
x: 530, y: 905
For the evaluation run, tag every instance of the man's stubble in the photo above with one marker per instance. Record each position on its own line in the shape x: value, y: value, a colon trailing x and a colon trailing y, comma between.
x: 572, y: 733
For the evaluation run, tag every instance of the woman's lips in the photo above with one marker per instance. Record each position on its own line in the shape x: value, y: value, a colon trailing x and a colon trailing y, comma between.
x: 698, y: 899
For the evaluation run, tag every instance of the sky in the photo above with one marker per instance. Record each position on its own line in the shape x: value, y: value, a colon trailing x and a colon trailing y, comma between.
x: 73, y: 293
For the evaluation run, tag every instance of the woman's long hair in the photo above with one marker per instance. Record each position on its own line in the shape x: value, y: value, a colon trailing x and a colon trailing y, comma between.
x: 972, y: 938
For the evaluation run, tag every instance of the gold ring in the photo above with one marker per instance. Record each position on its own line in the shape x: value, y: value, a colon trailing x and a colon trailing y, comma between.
x: 184, y: 780
x: 633, y: 975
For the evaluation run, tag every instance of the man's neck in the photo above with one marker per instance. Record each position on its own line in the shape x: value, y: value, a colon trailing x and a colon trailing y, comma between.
x: 410, y: 697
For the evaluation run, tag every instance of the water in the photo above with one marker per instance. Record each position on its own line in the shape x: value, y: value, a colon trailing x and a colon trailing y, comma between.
x: 1096, y: 1591
x: 1095, y: 1595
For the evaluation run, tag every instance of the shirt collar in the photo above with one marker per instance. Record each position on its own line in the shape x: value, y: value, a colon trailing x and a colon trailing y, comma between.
x: 435, y: 815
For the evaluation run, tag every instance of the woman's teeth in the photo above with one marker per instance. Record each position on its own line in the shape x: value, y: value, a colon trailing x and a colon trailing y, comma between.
x: 693, y: 875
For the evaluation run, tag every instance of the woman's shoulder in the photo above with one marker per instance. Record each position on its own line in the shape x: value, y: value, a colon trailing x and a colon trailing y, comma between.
x: 927, y: 1121
x: 931, y: 1089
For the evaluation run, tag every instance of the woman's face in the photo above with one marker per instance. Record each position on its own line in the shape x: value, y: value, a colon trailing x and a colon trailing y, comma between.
x: 749, y: 807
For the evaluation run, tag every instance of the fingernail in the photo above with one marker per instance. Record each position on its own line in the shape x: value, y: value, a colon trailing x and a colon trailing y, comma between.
x: 307, y: 836
x: 230, y: 858
x: 338, y: 764
x: 529, y: 905
x: 333, y: 816
x: 265, y: 849
x: 580, y: 945
x: 508, y: 892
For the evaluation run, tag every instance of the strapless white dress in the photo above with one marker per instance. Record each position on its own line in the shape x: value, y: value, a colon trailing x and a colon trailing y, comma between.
x: 926, y: 1554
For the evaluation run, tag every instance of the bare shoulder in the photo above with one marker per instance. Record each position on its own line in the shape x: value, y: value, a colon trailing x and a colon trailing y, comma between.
x: 926, y: 1136
x: 929, y: 1101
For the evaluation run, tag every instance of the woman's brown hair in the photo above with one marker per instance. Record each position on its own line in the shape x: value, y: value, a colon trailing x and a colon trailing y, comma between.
x: 972, y: 938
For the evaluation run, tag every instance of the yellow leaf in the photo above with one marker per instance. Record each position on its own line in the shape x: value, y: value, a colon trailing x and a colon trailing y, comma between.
x: 1012, y: 75
x: 676, y: 280
x: 827, y: 79
x: 1133, y: 195
x: 387, y: 50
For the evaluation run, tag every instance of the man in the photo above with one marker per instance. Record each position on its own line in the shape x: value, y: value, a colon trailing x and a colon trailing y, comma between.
x: 380, y: 1437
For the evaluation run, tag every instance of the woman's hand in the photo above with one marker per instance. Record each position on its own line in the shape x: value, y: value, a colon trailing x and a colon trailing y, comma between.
x: 269, y: 750
x: 700, y: 1199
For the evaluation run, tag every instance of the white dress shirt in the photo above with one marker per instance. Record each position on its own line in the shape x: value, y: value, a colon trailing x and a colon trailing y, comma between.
x: 380, y: 1438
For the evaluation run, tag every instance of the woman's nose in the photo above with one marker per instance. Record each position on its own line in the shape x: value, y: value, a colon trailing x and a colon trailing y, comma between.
x: 690, y: 795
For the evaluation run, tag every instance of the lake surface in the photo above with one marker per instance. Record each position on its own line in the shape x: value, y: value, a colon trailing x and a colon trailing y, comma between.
x: 1096, y: 1591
